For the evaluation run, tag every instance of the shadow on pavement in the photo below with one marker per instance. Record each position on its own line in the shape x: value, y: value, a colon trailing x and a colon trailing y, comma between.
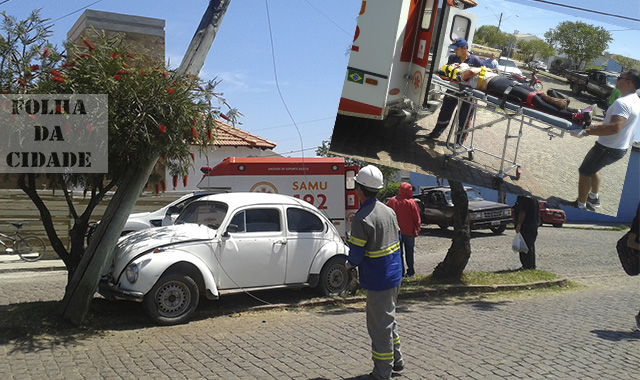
x: 617, y: 336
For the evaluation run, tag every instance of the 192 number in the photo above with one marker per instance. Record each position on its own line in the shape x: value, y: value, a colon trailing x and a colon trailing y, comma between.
x: 322, y: 199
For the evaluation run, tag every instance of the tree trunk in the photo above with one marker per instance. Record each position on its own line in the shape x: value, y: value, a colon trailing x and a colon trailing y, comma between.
x: 453, y: 265
x: 84, y: 281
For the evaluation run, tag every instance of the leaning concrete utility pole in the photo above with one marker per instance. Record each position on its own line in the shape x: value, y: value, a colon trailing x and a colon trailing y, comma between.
x: 201, y: 43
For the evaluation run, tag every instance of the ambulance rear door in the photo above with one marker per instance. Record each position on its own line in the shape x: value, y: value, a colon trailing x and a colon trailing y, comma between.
x: 377, y: 38
x: 458, y: 24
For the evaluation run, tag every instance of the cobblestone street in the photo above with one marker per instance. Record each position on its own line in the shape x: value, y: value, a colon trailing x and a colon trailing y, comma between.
x: 584, y: 333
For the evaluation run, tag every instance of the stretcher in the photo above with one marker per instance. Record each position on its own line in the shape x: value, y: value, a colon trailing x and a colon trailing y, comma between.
x: 509, y: 111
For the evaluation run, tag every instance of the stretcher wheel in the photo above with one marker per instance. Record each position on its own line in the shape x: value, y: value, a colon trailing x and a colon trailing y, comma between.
x: 518, y: 173
x: 470, y: 154
x: 445, y: 162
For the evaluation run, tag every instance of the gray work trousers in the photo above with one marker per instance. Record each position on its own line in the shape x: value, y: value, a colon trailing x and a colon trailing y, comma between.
x: 383, y: 330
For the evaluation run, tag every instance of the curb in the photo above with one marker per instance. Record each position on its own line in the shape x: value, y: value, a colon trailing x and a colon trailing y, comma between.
x: 447, y: 289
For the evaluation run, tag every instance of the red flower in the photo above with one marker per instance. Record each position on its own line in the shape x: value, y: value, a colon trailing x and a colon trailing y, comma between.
x: 45, y: 52
x: 58, y: 79
x: 193, y: 133
x: 116, y: 77
x: 163, y: 184
x: 22, y: 82
x: 55, y: 73
x: 35, y: 67
x: 162, y: 128
x: 175, y: 181
x: 123, y: 72
x: 210, y: 134
x: 170, y: 90
x: 165, y: 74
x: 185, y: 181
x: 59, y: 110
x: 193, y: 156
x: 194, y: 122
x: 142, y: 73
x: 131, y: 56
x: 88, y: 43
x: 66, y: 65
x: 224, y: 116
x: 114, y: 55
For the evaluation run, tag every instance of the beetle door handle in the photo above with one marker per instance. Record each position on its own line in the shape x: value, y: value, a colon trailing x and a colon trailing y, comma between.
x: 283, y: 242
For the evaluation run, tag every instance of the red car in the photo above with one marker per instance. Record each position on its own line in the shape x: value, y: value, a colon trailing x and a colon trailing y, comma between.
x: 553, y: 216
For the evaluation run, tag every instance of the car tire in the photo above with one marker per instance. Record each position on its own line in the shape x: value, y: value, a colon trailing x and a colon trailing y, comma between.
x: 334, y: 277
x: 172, y: 300
x: 499, y: 229
x: 557, y: 225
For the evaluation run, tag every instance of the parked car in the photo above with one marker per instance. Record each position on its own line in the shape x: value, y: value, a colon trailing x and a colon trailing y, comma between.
x: 507, y: 67
x: 554, y: 216
x: 436, y: 207
x: 558, y: 70
x: 538, y: 65
x: 227, y: 243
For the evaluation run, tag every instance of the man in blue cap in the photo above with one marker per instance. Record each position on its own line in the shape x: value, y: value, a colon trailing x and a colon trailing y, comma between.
x: 460, y: 54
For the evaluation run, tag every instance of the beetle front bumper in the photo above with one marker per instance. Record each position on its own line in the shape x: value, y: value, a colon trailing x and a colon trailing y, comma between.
x: 111, y: 291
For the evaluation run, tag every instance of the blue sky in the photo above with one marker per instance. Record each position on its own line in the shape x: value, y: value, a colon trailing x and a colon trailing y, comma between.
x: 311, y: 39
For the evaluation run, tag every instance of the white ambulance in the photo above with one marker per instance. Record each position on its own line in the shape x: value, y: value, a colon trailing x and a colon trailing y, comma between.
x: 325, y: 182
x: 397, y: 44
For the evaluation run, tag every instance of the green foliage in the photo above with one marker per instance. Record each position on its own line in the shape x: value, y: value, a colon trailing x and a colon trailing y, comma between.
x: 535, y: 48
x: 390, y: 190
x: 593, y: 68
x: 581, y: 42
x: 491, y: 36
x: 151, y: 112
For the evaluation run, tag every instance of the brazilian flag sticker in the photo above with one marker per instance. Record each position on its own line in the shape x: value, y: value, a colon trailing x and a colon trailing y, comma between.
x: 355, y: 76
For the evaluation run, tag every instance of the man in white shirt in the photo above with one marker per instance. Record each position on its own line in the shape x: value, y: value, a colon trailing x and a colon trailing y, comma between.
x: 615, y: 136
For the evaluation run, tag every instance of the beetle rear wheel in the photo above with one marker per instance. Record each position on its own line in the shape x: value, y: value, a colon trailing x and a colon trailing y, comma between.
x: 334, y: 277
x: 172, y: 299
x: 30, y: 248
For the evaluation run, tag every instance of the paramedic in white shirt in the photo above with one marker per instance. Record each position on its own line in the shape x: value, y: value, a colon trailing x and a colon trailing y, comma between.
x: 615, y: 136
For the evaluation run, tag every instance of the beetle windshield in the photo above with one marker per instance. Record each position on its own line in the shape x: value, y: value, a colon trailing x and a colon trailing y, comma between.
x: 208, y: 213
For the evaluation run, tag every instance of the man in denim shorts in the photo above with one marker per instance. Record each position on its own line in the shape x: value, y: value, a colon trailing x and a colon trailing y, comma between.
x: 615, y: 136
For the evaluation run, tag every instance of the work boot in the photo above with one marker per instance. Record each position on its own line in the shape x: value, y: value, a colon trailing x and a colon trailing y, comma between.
x: 556, y: 102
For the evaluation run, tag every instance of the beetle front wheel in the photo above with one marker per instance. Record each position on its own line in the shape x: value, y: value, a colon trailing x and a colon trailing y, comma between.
x: 172, y: 299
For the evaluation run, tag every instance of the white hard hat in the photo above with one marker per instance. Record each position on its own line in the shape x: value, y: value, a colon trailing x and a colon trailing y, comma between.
x: 370, y: 177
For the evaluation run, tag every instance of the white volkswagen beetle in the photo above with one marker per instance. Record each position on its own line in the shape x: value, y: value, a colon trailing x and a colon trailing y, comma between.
x: 227, y: 243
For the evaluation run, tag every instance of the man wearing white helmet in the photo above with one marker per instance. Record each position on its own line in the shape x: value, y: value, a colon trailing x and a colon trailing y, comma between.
x: 374, y: 247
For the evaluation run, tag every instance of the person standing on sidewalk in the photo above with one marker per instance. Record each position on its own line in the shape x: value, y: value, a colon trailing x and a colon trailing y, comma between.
x: 409, y: 220
x: 374, y: 248
x: 491, y: 63
x: 615, y: 136
x: 460, y: 54
x: 527, y: 216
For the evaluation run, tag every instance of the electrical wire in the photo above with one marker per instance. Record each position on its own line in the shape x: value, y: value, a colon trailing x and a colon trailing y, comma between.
x: 70, y: 13
x: 586, y: 10
x: 328, y: 18
x: 4, y: 1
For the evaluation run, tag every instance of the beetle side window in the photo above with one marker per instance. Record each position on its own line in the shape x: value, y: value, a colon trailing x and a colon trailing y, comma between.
x: 299, y: 220
x: 238, y: 220
x: 262, y: 220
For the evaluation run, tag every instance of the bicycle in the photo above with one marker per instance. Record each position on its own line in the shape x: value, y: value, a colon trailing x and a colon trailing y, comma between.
x: 29, y: 248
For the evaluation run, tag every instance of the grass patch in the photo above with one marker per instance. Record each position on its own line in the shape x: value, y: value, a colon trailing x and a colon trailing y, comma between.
x: 515, y: 277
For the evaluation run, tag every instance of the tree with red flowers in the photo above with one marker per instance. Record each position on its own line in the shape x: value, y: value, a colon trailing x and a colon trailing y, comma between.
x: 152, y: 113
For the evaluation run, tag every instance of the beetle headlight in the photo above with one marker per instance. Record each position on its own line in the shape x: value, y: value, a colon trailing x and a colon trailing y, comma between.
x: 132, y: 273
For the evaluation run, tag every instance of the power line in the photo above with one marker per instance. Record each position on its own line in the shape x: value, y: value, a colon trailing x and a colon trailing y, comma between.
x: 328, y: 18
x: 70, y: 13
x: 5, y: 1
x: 587, y: 10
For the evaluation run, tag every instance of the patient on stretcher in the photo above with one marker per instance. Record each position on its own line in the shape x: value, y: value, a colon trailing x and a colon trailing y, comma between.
x: 484, y: 80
